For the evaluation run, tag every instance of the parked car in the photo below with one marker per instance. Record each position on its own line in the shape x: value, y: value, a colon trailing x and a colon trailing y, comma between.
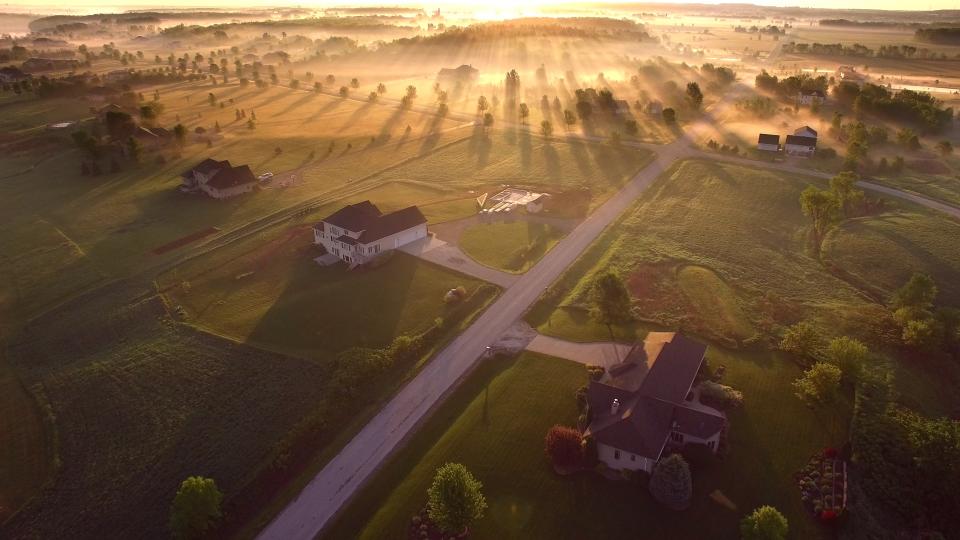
x: 265, y: 177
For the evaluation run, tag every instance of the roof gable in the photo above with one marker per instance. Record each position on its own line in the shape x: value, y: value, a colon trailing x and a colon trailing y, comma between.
x: 365, y: 218
x: 800, y: 140
x: 231, y: 177
x: 766, y: 138
x: 354, y: 217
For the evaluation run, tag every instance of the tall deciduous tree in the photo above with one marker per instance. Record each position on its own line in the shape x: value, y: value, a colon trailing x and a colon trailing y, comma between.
x: 818, y: 384
x: 800, y: 339
x: 546, y: 128
x: 694, y: 95
x: 611, y: 300
x: 821, y: 207
x: 455, y: 499
x: 845, y: 191
x: 849, y: 355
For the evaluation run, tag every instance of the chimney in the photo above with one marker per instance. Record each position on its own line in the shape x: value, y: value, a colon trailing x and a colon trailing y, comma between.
x: 615, y: 406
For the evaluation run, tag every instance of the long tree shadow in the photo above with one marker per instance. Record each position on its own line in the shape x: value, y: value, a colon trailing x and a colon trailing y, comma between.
x: 328, y: 107
x: 324, y: 310
x: 355, y: 116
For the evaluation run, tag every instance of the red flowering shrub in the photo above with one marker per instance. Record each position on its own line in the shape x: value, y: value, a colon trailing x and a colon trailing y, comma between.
x: 564, y: 447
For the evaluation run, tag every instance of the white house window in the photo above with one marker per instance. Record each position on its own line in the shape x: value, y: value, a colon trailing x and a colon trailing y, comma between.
x: 710, y: 445
x: 616, y: 454
x: 633, y: 457
x: 678, y: 437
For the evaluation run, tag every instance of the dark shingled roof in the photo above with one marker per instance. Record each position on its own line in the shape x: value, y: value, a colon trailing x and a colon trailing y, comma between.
x: 766, y: 138
x: 676, y: 367
x: 800, y: 140
x: 354, y: 217
x: 232, y: 177
x: 645, y: 417
x: 365, y: 218
x: 393, y: 223
x: 206, y: 167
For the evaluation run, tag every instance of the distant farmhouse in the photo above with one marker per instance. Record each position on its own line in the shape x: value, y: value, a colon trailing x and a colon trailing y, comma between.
x: 647, y: 405
x: 802, y: 143
x: 768, y: 142
x: 218, y: 179
x: 462, y: 74
x: 810, y: 98
x: 358, y: 233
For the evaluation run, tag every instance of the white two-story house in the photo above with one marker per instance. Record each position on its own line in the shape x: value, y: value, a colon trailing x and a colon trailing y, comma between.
x: 645, y: 406
x: 359, y: 232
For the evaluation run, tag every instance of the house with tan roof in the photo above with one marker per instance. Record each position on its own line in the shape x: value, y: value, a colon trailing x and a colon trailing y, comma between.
x: 647, y: 405
x: 359, y: 233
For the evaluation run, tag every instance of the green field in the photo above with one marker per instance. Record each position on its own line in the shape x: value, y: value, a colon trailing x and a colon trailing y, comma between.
x: 512, y: 246
x: 534, y: 392
x: 139, y: 403
x: 942, y: 187
x: 880, y: 253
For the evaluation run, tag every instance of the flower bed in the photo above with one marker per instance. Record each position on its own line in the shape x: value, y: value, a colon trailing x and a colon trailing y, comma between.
x: 823, y: 485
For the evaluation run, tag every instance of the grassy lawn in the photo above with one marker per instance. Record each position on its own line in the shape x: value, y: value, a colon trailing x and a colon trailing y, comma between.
x: 267, y: 291
x: 25, y: 452
x: 880, y: 253
x: 486, y: 162
x: 938, y: 187
x: 511, y: 246
x: 495, y: 425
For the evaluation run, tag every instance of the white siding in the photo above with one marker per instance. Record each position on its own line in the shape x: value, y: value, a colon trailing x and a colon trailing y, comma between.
x: 626, y: 460
x: 361, y: 253
x: 798, y: 150
x: 768, y: 147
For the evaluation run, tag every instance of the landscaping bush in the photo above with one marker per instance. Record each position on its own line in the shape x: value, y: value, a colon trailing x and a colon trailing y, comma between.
x: 596, y: 372
x: 720, y: 396
x: 671, y: 484
x: 765, y: 523
x: 564, y: 447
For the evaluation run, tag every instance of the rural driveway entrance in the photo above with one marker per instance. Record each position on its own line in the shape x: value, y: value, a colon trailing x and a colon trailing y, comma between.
x: 439, y: 252
x: 599, y: 353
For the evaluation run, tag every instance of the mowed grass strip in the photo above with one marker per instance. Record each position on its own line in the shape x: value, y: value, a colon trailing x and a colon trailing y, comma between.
x: 512, y: 246
x: 495, y: 424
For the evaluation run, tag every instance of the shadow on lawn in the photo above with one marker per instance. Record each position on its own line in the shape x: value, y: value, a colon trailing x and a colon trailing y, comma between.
x: 325, y: 310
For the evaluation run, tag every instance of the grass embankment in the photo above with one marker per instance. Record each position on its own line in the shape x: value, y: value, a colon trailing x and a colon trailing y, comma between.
x: 511, y: 246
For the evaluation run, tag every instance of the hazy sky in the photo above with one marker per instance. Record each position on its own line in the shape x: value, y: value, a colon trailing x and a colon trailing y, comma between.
x: 505, y: 5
